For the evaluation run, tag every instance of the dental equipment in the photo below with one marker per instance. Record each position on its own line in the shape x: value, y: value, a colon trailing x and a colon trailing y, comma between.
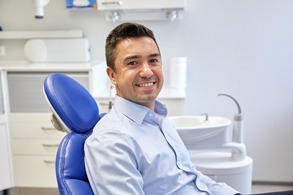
x: 237, y: 145
x: 39, y: 8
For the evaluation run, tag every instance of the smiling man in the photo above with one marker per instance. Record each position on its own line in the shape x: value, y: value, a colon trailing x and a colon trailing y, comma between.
x: 135, y: 149
x: 137, y: 71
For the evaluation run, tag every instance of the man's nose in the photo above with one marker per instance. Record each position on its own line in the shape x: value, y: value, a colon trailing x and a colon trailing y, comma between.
x: 146, y: 70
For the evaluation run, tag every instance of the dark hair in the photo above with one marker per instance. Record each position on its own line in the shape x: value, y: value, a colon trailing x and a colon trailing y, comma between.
x: 121, y: 32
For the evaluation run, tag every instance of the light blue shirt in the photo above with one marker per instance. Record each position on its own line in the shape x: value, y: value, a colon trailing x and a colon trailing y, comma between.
x: 135, y: 151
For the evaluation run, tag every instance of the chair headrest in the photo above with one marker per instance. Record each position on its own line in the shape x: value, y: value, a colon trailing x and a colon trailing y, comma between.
x: 71, y: 102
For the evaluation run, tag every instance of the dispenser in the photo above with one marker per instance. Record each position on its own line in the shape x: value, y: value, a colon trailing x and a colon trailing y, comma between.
x: 39, y: 8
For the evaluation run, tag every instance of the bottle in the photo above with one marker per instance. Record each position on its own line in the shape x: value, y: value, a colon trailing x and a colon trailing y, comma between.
x: 178, y: 71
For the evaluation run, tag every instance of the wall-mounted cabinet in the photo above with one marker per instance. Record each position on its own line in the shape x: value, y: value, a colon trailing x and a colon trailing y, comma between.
x: 126, y: 10
x: 13, y: 43
x: 125, y: 5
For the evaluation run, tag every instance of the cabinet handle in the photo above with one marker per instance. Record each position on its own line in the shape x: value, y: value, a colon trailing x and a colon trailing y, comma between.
x: 49, y: 161
x: 112, y: 3
x: 104, y: 103
x: 48, y: 128
x: 51, y: 145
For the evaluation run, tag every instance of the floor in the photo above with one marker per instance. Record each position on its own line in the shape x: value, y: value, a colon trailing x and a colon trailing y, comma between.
x: 256, y: 188
x: 263, y: 187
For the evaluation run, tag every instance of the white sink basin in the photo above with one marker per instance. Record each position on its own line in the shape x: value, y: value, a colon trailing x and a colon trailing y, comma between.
x: 198, y: 133
x: 199, y: 122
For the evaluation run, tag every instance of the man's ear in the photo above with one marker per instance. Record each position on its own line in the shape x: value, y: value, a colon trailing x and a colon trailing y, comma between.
x: 112, y: 75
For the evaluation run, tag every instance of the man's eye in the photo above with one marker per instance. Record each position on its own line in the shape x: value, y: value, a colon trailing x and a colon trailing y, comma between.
x: 154, y: 60
x: 132, y: 63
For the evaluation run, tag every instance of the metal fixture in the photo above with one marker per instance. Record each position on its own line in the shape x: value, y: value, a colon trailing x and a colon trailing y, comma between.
x: 206, y: 116
x: 114, y: 16
x: 237, y: 145
x: 172, y: 15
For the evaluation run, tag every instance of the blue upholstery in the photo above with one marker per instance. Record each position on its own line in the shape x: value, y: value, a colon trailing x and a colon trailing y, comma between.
x: 76, y: 112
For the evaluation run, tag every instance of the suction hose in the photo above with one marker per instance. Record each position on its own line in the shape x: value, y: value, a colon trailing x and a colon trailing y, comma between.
x: 237, y: 123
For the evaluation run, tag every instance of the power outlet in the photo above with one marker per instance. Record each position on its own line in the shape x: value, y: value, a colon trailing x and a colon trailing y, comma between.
x: 2, y: 50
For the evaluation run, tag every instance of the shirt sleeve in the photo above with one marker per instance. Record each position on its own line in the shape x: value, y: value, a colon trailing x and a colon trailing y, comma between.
x: 214, y: 187
x: 112, y: 165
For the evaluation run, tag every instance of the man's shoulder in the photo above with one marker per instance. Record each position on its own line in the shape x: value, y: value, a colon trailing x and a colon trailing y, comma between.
x: 108, y: 121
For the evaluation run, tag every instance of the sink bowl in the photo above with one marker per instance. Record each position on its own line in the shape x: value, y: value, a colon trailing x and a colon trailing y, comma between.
x: 198, y: 133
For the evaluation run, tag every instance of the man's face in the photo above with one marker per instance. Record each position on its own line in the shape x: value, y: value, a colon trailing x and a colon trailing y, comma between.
x: 138, y: 76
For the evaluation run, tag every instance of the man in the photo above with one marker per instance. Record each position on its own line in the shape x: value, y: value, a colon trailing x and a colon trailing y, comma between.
x: 135, y: 149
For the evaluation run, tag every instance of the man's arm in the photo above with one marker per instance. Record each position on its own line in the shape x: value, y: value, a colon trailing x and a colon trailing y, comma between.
x: 214, y: 187
x: 112, y: 165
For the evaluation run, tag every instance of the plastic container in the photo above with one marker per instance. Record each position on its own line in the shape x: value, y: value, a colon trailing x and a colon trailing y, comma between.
x: 178, y: 72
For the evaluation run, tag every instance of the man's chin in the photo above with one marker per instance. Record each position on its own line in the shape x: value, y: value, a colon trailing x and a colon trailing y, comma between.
x: 146, y: 99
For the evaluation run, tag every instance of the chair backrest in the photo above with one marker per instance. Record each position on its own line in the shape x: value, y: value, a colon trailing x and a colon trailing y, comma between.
x: 76, y: 112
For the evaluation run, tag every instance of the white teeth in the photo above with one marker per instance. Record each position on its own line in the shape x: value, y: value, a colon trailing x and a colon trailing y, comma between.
x: 145, y: 84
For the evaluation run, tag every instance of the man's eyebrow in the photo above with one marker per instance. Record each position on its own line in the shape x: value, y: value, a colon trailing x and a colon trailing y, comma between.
x: 131, y: 57
x: 138, y: 56
x: 155, y: 55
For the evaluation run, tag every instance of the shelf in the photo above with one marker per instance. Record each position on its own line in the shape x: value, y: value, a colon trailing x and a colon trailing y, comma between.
x: 44, y: 67
x: 40, y: 34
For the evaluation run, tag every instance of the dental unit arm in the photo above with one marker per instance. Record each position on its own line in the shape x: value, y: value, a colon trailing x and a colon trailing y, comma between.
x: 237, y: 146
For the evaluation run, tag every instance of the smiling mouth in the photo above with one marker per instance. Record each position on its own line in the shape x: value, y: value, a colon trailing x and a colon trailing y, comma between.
x: 146, y: 84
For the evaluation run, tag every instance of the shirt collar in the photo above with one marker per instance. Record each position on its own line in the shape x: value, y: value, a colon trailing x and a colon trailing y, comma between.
x: 137, y: 112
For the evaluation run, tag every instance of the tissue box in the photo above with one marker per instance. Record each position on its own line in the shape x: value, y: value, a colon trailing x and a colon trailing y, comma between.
x: 81, y: 4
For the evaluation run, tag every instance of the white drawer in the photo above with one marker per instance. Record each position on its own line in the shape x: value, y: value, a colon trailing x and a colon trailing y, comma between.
x: 35, y: 146
x: 35, y: 171
x: 33, y: 126
x: 5, y: 160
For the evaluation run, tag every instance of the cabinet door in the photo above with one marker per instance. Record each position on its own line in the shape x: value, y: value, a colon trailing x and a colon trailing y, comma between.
x: 5, y: 162
x: 26, y: 90
x: 35, y: 171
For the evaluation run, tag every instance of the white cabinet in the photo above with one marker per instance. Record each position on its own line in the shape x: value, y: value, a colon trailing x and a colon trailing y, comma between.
x: 6, y: 179
x: 34, y: 140
x: 140, y: 4
x: 34, y: 145
x: 140, y: 10
x: 26, y: 90
x: 5, y: 162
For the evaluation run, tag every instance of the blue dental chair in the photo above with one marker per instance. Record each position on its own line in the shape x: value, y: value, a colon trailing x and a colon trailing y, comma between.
x: 76, y: 112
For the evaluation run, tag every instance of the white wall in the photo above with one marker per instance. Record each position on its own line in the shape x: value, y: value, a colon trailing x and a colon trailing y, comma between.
x: 243, y: 48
